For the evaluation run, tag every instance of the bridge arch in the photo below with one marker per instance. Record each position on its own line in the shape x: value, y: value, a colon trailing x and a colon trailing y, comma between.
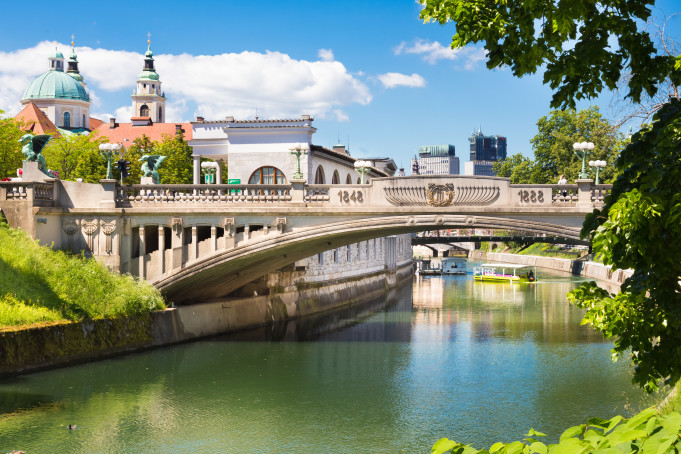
x: 219, y: 274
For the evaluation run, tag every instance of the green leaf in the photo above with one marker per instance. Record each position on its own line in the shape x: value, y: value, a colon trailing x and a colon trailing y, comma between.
x: 538, y: 447
x: 443, y: 445
x: 572, y: 432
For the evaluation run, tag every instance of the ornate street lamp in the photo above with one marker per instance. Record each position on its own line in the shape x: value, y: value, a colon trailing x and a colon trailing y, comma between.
x: 598, y: 165
x: 209, y: 169
x: 298, y: 149
x: 107, y: 150
x: 582, y: 149
x: 363, y: 167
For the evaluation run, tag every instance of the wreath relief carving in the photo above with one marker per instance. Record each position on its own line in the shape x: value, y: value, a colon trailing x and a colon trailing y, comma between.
x: 440, y: 195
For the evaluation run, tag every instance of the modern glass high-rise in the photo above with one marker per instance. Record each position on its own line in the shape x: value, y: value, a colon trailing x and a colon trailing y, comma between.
x: 436, y: 160
x: 484, y: 152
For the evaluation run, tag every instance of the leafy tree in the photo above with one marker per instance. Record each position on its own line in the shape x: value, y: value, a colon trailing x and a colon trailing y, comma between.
x: 582, y: 47
x: 520, y: 169
x: 140, y: 146
x: 638, y: 226
x: 178, y: 164
x: 76, y: 156
x: 10, y: 148
x: 556, y: 134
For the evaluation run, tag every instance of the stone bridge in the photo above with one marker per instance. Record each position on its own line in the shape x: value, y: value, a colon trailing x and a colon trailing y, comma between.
x: 198, y: 242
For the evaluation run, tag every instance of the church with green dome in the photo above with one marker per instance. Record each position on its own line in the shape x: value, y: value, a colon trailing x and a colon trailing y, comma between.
x: 61, y: 95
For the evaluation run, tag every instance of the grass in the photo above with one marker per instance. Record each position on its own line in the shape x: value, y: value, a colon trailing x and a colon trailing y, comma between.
x: 540, y: 249
x: 38, y: 284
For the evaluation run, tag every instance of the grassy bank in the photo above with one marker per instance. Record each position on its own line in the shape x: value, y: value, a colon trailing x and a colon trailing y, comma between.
x: 38, y: 284
x: 540, y: 249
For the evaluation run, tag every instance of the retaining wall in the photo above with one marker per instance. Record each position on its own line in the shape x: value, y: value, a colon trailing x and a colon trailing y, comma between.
x: 58, y: 344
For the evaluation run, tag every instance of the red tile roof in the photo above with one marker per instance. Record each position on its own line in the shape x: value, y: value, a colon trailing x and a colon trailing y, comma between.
x: 126, y: 133
x: 95, y: 123
x: 35, y: 121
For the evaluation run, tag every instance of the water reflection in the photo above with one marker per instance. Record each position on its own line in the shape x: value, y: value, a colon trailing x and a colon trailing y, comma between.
x: 450, y: 357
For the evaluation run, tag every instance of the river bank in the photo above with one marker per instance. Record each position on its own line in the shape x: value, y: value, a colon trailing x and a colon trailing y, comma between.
x: 28, y: 349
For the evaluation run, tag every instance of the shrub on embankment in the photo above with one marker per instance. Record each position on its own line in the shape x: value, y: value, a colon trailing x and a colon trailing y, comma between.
x: 38, y: 284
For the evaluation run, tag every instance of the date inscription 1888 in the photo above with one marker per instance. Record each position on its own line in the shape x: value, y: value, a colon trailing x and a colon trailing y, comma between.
x: 531, y: 196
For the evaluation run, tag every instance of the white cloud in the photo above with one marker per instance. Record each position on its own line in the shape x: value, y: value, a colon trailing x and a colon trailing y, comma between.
x: 326, y: 54
x: 392, y: 80
x: 340, y: 115
x: 432, y: 52
x: 216, y: 85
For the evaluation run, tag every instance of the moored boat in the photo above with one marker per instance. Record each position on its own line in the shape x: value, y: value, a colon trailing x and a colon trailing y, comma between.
x: 505, y: 272
x: 453, y: 265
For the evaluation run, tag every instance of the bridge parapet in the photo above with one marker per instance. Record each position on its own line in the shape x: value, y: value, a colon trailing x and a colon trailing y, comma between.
x: 141, y: 195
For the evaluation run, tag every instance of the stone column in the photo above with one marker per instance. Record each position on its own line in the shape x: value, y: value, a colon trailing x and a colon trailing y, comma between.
x: 584, y: 192
x: 140, y: 270
x: 162, y: 249
x: 195, y: 244
x: 213, y: 238
x: 177, y: 241
x: 218, y: 176
x: 197, y: 170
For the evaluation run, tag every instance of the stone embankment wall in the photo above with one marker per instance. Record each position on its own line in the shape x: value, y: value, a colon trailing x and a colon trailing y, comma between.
x: 576, y: 267
x: 57, y: 344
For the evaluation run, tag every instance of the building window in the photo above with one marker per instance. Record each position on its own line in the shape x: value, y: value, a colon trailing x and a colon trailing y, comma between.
x: 348, y: 179
x: 319, y: 176
x: 84, y: 125
x: 67, y: 120
x: 336, y: 178
x: 144, y: 111
x: 160, y: 115
x: 267, y: 175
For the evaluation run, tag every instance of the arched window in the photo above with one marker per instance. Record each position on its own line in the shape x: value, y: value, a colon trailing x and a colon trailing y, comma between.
x: 160, y: 115
x: 67, y: 120
x: 267, y: 175
x: 84, y: 124
x: 348, y: 179
x: 144, y: 111
x: 336, y: 178
x: 358, y: 180
x: 319, y: 176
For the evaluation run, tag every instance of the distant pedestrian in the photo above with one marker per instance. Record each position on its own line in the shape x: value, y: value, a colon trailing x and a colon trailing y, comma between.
x: 563, y: 180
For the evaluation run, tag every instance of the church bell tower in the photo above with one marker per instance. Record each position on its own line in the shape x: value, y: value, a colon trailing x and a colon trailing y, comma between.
x: 148, y: 100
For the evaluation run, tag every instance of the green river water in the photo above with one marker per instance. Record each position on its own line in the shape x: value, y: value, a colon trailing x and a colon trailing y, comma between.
x: 448, y: 357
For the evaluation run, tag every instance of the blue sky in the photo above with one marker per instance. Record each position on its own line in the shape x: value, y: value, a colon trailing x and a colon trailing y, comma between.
x: 370, y: 72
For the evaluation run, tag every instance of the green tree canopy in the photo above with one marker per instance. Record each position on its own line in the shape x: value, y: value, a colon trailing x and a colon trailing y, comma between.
x: 557, y: 132
x: 10, y: 148
x: 76, y: 156
x: 571, y: 41
x: 518, y: 168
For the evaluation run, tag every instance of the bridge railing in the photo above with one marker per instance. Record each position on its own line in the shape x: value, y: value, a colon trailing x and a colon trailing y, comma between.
x: 599, y: 192
x: 202, y: 193
x: 37, y: 192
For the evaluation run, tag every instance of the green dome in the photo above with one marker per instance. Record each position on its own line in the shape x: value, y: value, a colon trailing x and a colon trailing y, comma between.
x: 55, y: 84
x: 151, y: 75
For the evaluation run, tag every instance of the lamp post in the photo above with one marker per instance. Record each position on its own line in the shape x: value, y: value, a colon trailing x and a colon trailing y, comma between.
x: 363, y: 167
x: 298, y: 149
x: 582, y: 149
x: 107, y: 150
x: 209, y: 169
x: 598, y: 165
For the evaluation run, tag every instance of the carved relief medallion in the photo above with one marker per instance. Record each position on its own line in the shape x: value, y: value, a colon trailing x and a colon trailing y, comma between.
x: 440, y: 195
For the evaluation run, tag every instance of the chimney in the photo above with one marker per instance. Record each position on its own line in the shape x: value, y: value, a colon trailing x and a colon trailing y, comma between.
x: 230, y: 118
x: 199, y: 119
x: 307, y: 117
x: 178, y: 128
x: 112, y: 123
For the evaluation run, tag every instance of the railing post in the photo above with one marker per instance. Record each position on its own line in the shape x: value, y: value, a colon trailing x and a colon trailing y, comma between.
x: 584, y: 192
x: 298, y: 191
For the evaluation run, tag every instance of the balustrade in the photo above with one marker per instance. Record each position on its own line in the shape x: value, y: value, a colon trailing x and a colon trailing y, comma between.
x: 189, y: 193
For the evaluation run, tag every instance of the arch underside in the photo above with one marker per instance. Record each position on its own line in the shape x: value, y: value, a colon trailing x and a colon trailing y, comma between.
x: 219, y: 274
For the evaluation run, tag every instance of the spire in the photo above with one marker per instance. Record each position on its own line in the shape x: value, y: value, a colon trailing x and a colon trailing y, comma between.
x: 149, y: 72
x: 73, y: 64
